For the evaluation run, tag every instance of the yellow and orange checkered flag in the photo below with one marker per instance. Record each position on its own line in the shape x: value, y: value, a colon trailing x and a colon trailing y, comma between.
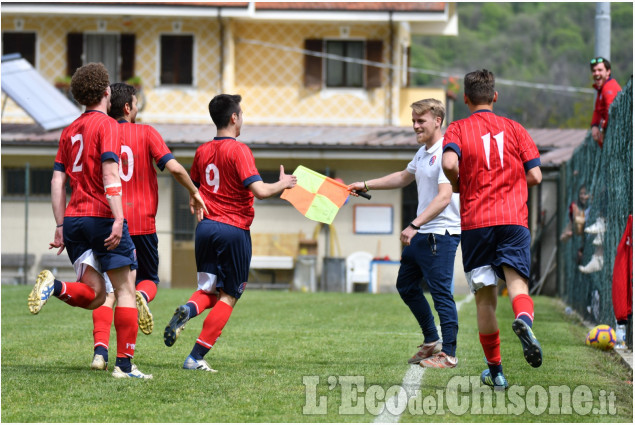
x: 316, y: 196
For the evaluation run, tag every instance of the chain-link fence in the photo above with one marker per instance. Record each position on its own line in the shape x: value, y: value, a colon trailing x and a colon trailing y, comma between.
x: 606, y: 174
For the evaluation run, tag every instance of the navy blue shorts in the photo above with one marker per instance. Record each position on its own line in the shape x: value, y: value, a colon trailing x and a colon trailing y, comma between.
x: 223, y: 257
x: 497, y: 246
x: 147, y: 256
x: 84, y: 233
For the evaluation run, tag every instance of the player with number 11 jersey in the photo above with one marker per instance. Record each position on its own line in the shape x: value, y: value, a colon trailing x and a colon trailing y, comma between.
x: 495, y: 153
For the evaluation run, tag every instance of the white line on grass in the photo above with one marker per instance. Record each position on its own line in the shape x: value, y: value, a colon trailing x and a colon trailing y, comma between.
x: 411, y: 382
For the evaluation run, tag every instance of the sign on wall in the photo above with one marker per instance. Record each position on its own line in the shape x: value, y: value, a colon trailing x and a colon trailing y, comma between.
x: 375, y: 219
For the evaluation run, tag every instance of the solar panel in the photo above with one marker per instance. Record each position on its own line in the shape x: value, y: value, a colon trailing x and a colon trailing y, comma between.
x: 39, y: 98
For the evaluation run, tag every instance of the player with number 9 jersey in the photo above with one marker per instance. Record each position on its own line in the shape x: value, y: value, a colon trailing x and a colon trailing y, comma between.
x: 495, y: 153
x: 224, y: 168
x: 91, y: 139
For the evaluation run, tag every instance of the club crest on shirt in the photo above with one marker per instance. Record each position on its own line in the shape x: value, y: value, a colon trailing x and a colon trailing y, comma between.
x: 434, y: 158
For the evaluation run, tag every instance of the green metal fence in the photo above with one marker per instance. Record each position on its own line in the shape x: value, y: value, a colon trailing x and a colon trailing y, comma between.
x: 607, y: 174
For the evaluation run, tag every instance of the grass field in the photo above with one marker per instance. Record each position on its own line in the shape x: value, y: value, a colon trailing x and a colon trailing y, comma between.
x: 277, y: 341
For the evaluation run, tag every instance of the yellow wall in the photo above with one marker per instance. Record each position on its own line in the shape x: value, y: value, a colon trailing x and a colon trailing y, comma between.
x: 271, y: 80
x: 409, y: 95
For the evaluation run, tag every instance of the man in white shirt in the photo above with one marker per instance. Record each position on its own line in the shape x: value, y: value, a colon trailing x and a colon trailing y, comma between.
x: 431, y: 238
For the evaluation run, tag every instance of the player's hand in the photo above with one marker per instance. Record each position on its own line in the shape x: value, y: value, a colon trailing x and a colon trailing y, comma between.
x: 197, y: 203
x: 58, y: 240
x: 356, y: 187
x: 114, y: 239
x: 407, y: 234
x: 289, y: 180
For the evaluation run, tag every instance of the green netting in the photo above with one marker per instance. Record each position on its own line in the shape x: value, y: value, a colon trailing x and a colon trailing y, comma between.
x: 607, y: 174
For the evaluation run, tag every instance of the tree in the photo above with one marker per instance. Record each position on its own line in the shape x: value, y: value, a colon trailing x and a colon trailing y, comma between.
x: 548, y: 43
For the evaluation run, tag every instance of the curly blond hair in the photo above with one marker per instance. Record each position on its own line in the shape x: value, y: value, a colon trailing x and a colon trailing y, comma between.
x: 89, y: 83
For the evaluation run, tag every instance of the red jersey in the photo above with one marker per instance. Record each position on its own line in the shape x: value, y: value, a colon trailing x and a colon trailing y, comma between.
x: 494, y: 154
x: 606, y: 95
x: 223, y: 169
x: 88, y: 141
x: 622, y: 289
x: 140, y: 146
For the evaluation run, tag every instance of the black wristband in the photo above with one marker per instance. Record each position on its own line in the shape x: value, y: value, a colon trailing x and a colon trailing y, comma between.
x: 60, y: 225
x: 413, y: 226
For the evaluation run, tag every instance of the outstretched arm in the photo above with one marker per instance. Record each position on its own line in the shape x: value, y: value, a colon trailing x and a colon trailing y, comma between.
x: 262, y: 190
x: 395, y: 180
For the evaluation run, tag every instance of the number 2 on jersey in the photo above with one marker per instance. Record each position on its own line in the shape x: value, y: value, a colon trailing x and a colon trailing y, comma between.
x: 77, y: 166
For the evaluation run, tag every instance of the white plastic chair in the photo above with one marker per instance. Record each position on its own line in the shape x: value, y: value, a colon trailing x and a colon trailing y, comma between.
x: 357, y: 269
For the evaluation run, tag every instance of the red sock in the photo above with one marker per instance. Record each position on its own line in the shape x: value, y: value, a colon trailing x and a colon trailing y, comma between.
x: 77, y: 294
x: 214, y: 324
x: 491, y: 347
x: 203, y: 300
x: 147, y: 288
x: 523, y: 307
x: 102, y: 322
x: 126, y: 326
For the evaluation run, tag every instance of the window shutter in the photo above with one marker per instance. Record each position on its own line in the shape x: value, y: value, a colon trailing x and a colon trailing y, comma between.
x: 127, y: 56
x: 374, y: 51
x: 74, y: 51
x: 313, y: 64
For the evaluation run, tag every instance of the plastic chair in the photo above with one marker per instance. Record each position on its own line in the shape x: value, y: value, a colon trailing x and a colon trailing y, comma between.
x: 357, y: 269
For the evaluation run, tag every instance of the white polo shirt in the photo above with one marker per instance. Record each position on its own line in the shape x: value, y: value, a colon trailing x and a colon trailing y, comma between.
x: 426, y: 166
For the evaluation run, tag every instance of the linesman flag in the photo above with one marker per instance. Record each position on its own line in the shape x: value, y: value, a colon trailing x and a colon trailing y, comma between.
x: 316, y: 196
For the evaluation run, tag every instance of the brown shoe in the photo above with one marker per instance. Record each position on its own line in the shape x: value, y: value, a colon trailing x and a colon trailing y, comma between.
x: 425, y: 351
x: 439, y: 361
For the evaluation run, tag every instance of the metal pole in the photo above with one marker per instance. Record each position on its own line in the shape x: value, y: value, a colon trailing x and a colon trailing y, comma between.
x: 26, y: 222
x: 603, y: 30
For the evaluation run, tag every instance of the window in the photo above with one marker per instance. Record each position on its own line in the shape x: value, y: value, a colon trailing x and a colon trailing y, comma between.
x: 340, y: 73
x: 39, y: 182
x: 176, y: 59
x: 116, y: 51
x: 20, y: 42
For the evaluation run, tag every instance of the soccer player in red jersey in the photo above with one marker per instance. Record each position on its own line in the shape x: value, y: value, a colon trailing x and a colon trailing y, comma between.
x: 491, y: 161
x: 141, y: 145
x: 228, y: 180
x: 92, y: 227
x: 607, y: 89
